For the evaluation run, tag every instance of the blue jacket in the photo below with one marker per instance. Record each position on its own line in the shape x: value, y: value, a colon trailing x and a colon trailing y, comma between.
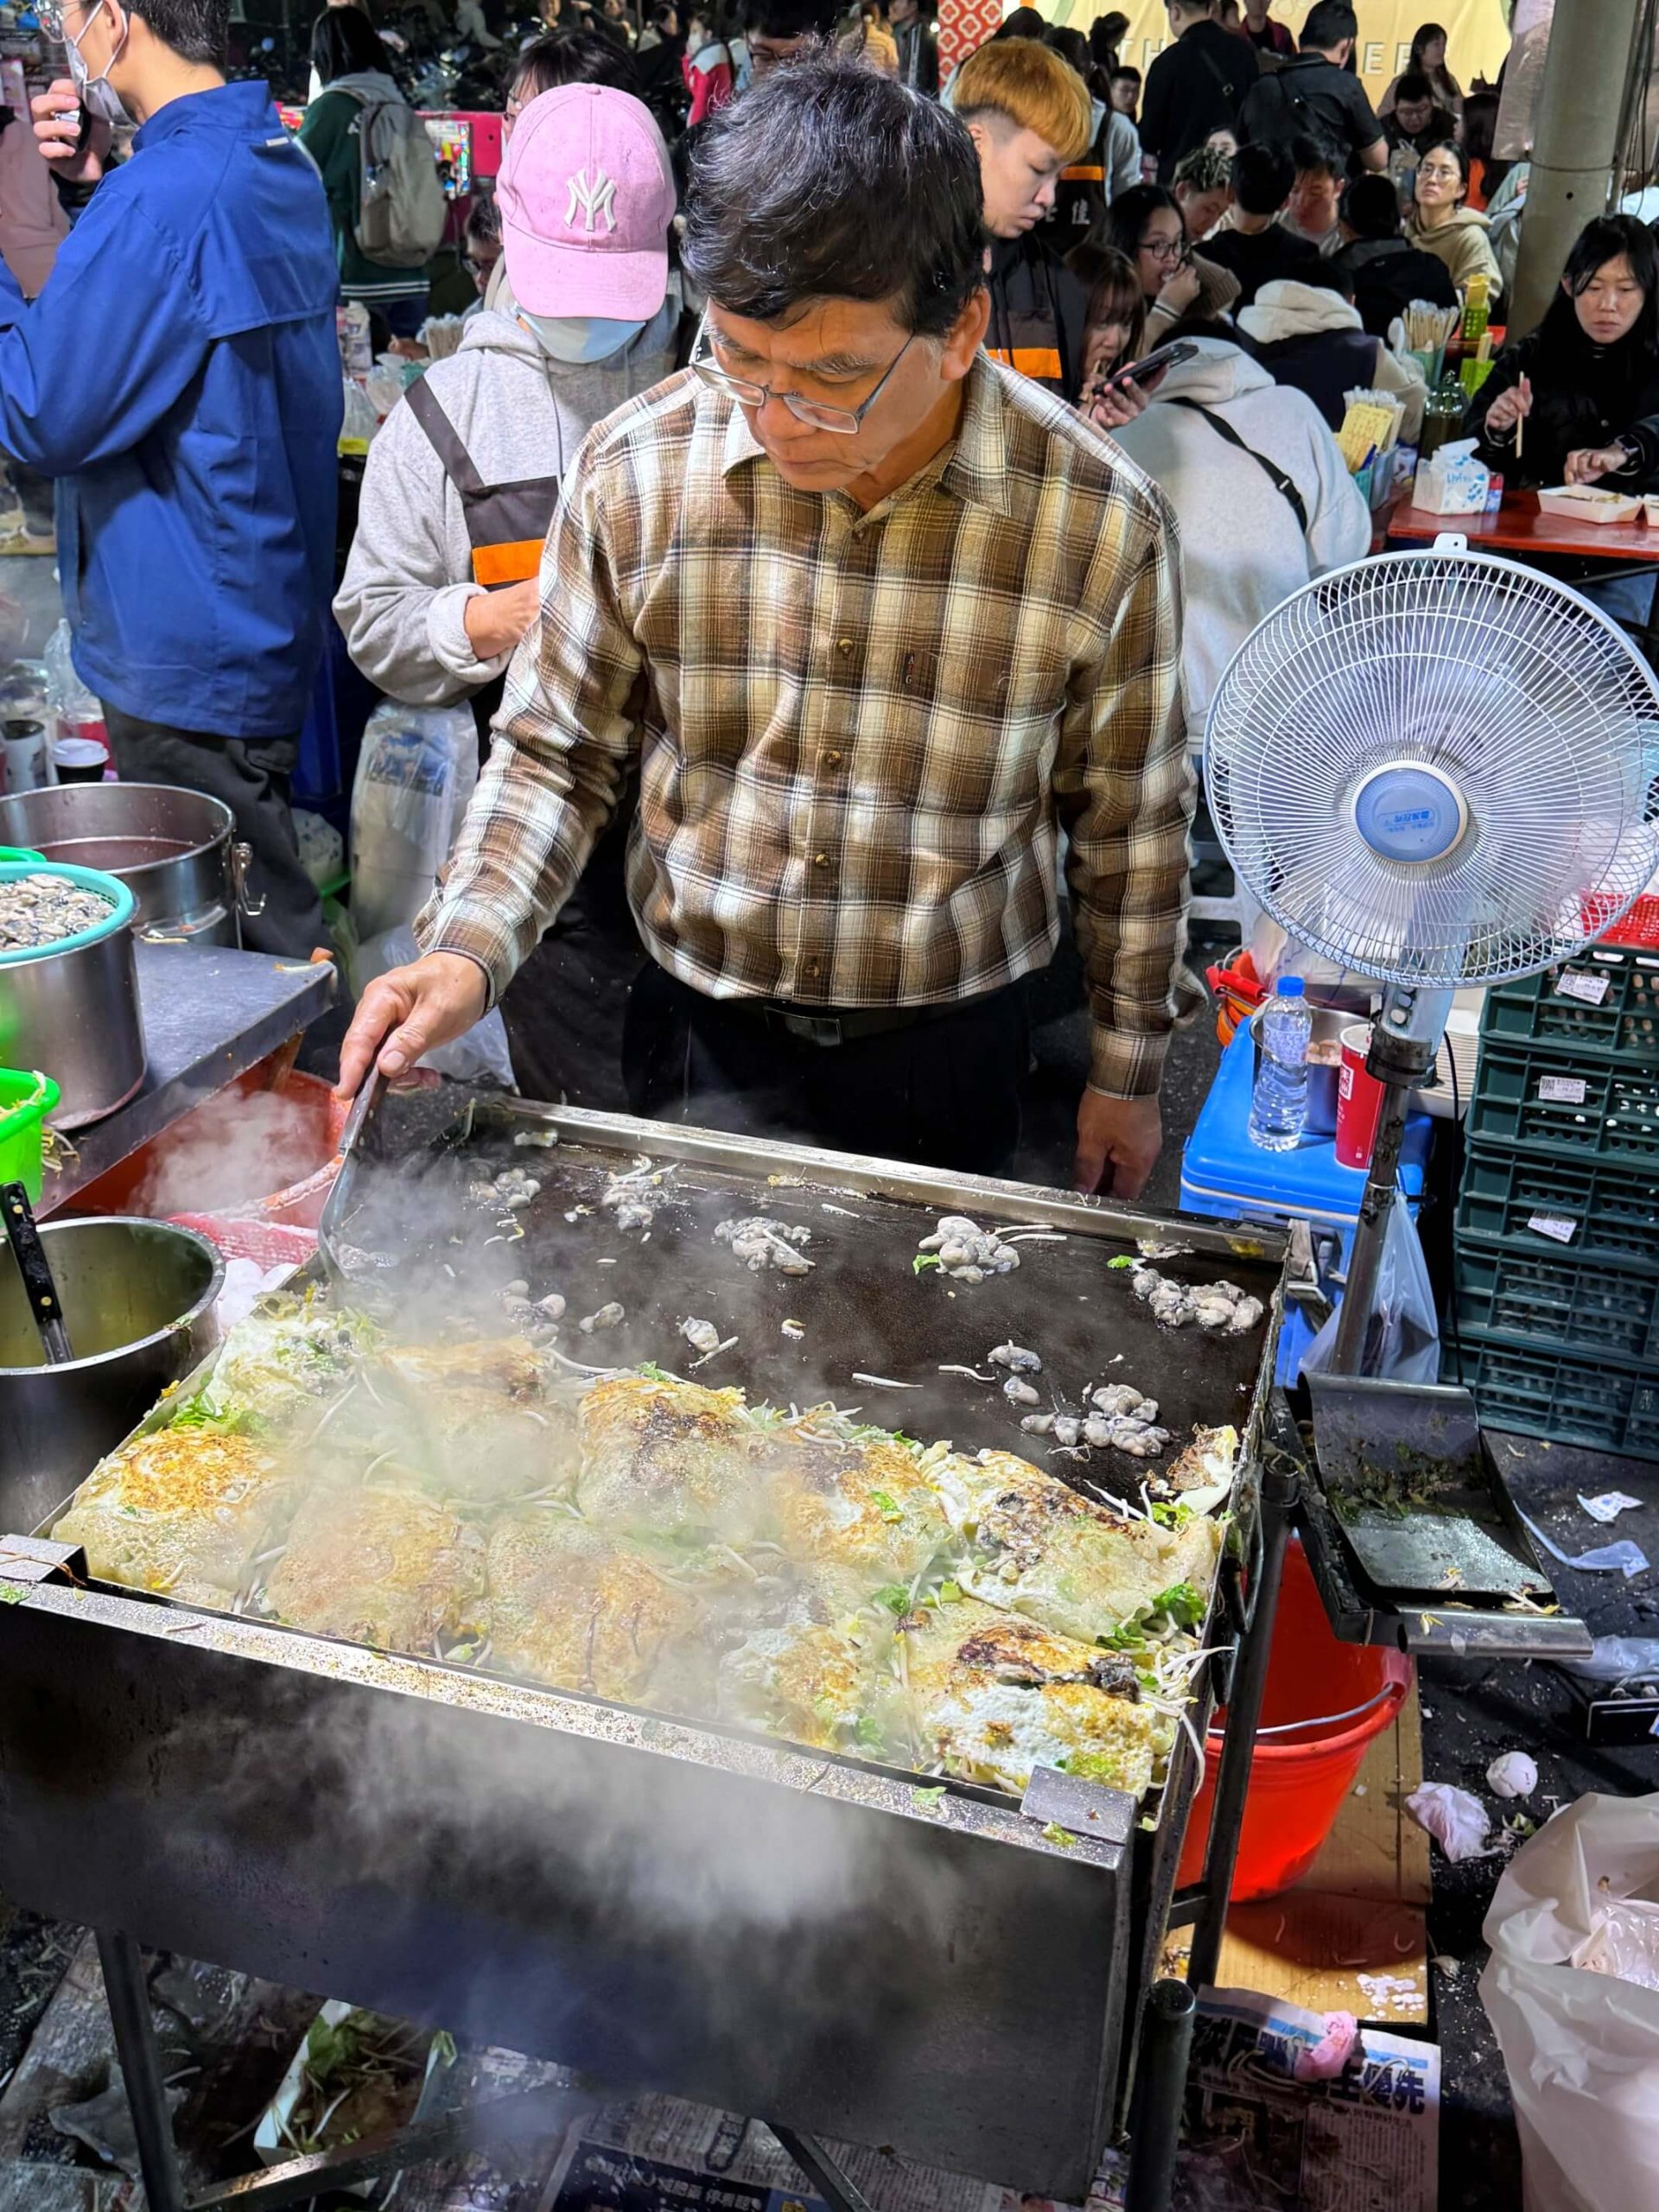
x: 180, y: 374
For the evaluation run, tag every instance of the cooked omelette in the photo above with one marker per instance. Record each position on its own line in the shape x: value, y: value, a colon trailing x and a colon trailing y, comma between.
x: 646, y: 1541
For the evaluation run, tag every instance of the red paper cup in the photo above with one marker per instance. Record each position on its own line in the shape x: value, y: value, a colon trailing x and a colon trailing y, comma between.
x: 1359, y: 1100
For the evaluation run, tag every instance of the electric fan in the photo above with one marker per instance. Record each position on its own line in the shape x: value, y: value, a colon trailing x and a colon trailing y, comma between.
x: 1435, y: 769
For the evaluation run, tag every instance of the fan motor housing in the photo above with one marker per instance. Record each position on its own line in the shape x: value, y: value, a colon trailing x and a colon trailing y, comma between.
x: 1407, y: 811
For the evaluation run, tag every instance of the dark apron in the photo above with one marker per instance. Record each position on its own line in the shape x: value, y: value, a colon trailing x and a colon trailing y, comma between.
x: 564, y: 1010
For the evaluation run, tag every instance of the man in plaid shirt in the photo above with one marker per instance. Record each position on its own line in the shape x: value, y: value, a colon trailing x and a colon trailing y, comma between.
x: 877, y: 620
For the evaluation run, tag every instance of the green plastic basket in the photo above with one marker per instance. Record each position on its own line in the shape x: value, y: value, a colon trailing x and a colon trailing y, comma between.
x: 25, y: 1102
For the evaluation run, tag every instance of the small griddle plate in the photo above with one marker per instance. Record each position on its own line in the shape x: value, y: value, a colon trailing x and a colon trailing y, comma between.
x: 1456, y: 1532
x: 863, y: 1307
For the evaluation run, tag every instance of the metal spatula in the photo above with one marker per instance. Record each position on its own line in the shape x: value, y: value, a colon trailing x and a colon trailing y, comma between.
x: 1420, y: 1505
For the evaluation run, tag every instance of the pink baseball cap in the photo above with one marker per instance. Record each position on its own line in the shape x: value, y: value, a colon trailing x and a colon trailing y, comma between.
x: 586, y: 197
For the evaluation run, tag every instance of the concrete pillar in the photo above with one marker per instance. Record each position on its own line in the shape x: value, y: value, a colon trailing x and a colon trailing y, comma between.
x: 1574, y: 139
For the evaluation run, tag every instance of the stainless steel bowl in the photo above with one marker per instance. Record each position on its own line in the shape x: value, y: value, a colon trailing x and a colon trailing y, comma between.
x: 137, y: 1302
x: 176, y: 849
x: 71, y: 1010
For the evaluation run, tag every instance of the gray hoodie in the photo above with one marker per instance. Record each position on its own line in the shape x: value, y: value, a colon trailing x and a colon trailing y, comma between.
x: 519, y: 414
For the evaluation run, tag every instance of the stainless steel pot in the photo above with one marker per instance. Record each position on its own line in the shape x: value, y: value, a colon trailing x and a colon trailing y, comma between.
x: 137, y: 1302
x: 72, y: 1012
x: 176, y: 849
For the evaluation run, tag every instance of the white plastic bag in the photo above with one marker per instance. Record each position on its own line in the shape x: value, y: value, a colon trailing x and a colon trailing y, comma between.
x: 479, y: 1056
x: 1581, y: 2044
x: 418, y: 770
x: 1402, y: 1343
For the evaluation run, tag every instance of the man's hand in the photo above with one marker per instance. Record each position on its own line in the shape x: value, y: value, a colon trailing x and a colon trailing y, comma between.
x: 1118, y: 1143
x: 495, y: 620
x: 57, y: 132
x: 406, y: 1012
x: 1585, y: 463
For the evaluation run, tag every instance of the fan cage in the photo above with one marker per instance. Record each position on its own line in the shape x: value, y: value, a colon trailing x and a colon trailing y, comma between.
x: 1529, y: 698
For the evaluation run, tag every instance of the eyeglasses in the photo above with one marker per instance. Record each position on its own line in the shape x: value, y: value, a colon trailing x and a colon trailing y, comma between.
x: 816, y: 413
x: 1163, y: 249
x: 49, y: 14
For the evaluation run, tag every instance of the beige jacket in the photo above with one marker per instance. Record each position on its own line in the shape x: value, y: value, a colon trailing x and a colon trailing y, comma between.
x: 1462, y: 245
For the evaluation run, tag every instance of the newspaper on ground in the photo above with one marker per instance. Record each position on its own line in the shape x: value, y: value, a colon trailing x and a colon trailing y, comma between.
x: 1255, y: 2137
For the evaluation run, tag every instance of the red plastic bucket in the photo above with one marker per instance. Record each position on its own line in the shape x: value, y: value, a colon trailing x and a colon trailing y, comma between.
x: 223, y: 1157
x: 1325, y: 1702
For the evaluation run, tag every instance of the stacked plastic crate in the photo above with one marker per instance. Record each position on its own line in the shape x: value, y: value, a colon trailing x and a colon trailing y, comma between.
x: 1557, y: 1253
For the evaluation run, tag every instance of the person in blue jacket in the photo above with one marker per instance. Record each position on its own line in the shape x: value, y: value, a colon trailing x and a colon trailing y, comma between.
x: 179, y: 376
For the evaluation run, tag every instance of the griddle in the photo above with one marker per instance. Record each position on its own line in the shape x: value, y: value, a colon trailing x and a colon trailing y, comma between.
x: 960, y: 1974
x: 400, y: 1224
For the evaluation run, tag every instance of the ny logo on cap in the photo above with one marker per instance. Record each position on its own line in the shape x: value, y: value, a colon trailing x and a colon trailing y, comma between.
x: 592, y: 197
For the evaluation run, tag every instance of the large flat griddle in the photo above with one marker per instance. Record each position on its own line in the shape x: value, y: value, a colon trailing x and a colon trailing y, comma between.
x: 402, y: 1198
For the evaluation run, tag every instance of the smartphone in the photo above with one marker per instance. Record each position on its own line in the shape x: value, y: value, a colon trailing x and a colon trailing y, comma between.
x: 1153, y: 364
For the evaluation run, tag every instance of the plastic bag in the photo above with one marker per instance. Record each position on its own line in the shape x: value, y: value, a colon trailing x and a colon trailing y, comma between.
x: 479, y: 1056
x: 1402, y: 1343
x: 1581, y: 2042
x: 66, y: 694
x: 414, y: 775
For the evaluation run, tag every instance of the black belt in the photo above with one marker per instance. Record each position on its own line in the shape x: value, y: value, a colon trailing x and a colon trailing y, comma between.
x: 822, y: 1025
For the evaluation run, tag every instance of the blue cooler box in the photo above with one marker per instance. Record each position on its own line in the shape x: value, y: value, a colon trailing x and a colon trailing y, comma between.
x: 1225, y: 1175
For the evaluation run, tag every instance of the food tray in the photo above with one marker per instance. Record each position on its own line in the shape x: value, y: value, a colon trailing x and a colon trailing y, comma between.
x: 1538, y: 1205
x: 1605, y: 1000
x: 1580, y: 503
x: 1585, y: 1306
x: 1569, y: 1398
x: 1582, y: 1108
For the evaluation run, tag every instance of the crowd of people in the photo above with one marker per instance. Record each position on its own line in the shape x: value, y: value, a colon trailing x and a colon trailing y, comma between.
x: 795, y: 671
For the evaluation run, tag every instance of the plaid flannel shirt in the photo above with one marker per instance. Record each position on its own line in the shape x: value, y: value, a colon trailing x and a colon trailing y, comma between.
x: 859, y: 735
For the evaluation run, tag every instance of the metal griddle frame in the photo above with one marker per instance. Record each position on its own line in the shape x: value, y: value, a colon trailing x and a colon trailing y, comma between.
x: 1152, y: 2062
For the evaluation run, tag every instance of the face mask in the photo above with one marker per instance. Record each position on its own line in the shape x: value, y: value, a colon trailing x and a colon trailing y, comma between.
x: 579, y: 338
x: 97, y: 95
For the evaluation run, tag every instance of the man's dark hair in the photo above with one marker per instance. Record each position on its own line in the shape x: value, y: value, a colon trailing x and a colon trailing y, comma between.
x: 830, y: 180
x: 1311, y: 155
x: 1370, y: 207
x: 576, y: 57
x: 1124, y: 70
x: 197, y: 30
x: 483, y: 223
x: 1024, y: 22
x: 344, y: 43
x: 1261, y: 177
x: 1329, y: 22
x: 790, y: 18
x: 1413, y: 84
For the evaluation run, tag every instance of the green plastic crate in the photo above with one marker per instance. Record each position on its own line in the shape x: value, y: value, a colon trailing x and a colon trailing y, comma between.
x: 1584, y: 1307
x: 1589, y: 1109
x: 1591, y: 1209
x: 1559, y: 1008
x: 1556, y: 1394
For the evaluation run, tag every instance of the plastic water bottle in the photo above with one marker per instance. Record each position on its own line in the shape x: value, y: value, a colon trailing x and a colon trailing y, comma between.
x: 1279, y: 1102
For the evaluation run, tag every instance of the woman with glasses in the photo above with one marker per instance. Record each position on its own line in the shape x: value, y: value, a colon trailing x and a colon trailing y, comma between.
x: 1147, y: 228
x: 462, y: 480
x: 1440, y: 223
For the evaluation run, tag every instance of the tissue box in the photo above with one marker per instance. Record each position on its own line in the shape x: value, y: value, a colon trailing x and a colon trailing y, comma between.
x: 1453, y: 482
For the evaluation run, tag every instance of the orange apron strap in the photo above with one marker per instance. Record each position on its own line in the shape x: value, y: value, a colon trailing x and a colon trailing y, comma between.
x: 1031, y: 360
x: 495, y: 565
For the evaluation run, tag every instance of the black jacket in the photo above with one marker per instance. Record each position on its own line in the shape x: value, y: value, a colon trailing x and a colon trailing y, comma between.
x: 1310, y: 98
x: 1388, y: 274
x: 1194, y: 87
x: 1259, y: 257
x: 1037, y: 314
x: 1582, y: 394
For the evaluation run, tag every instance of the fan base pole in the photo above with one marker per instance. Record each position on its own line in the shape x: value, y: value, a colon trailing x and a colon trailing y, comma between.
x: 1356, y: 1315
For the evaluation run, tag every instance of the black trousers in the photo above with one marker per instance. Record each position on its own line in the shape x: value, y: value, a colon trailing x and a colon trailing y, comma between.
x: 251, y: 776
x: 945, y: 1092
